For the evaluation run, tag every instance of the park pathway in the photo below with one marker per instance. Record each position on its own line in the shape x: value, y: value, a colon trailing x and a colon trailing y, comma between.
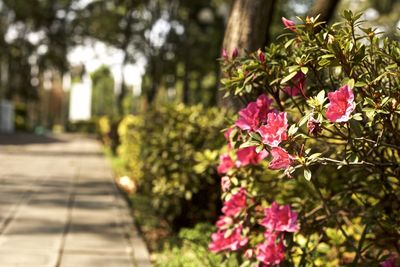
x: 59, y: 206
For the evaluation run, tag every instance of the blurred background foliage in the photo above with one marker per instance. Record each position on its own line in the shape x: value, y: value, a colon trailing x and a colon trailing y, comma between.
x: 177, y: 42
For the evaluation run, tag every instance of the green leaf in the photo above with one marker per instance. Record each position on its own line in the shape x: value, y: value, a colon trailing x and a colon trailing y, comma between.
x: 249, y: 143
x: 369, y: 101
x: 307, y: 174
x: 328, y: 56
x: 360, y: 84
x: 304, y: 119
x: 292, y: 130
x: 314, y: 156
x: 385, y: 101
x: 255, y: 136
x: 357, y: 117
x: 350, y: 83
x: 304, y: 70
x: 321, y: 97
x: 289, y: 77
x: 235, y: 181
x: 289, y: 43
x: 370, y: 112
x: 259, y: 148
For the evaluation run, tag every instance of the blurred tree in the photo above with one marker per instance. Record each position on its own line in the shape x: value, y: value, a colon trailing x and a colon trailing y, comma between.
x: 324, y: 8
x: 203, y: 26
x: 35, y: 38
x: 119, y: 23
x: 103, y: 97
x: 184, y: 62
x: 248, y: 24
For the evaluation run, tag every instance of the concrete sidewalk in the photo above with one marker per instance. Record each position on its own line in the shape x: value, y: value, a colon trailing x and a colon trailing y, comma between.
x: 59, y: 207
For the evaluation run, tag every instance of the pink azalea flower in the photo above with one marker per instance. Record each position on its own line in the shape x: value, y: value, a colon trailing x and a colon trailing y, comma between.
x: 248, y: 117
x: 280, y: 219
x: 275, y: 131
x: 270, y: 252
x: 232, y: 242
x: 225, y: 183
x: 235, y: 204
x: 341, y: 104
x: 224, y: 222
x: 390, y: 262
x: 298, y: 82
x: 256, y: 112
x: 225, y: 163
x: 281, y: 159
x: 289, y: 24
x: 249, y: 156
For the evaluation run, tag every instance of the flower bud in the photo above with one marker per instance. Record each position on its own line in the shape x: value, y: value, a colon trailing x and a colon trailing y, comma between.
x: 225, y: 54
x: 289, y: 24
x: 261, y: 56
x: 235, y: 53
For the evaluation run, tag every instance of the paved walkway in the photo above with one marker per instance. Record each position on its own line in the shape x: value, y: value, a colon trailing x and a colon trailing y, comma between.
x: 59, y: 207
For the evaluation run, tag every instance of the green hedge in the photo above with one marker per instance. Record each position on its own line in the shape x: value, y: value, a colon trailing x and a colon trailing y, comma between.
x: 172, y: 153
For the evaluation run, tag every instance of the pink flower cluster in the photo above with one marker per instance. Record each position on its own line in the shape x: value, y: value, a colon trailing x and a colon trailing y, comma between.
x: 232, y: 242
x: 274, y: 132
x: 341, y: 104
x: 277, y: 221
x: 244, y: 157
x: 235, y: 204
x: 270, y: 252
x: 254, y: 114
x: 226, y: 237
x: 272, y: 127
x: 280, y: 219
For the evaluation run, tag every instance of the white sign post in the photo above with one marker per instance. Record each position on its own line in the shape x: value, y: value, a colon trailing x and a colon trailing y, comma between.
x: 6, y: 116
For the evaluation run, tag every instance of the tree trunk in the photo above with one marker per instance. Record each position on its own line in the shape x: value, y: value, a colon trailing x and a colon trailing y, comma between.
x: 324, y: 7
x: 152, y: 89
x: 185, y: 89
x: 248, y: 25
x: 122, y: 90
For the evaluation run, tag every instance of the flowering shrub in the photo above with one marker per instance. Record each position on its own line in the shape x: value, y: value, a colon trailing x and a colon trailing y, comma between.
x: 310, y: 175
